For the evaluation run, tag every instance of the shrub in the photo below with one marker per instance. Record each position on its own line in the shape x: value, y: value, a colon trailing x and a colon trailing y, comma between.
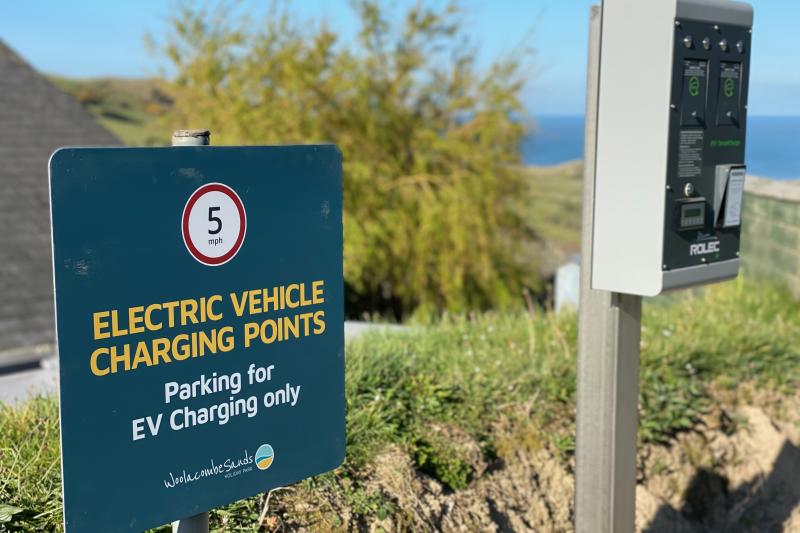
x: 432, y: 182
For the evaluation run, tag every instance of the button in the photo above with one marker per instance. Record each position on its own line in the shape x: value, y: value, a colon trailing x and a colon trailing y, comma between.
x: 707, y: 43
x: 740, y: 47
x: 687, y: 41
x: 723, y: 45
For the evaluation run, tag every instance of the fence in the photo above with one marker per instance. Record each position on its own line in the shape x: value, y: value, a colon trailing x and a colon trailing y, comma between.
x: 771, y: 231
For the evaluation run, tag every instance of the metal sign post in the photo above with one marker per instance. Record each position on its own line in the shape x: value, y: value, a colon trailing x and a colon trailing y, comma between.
x: 194, y: 524
x: 199, y: 522
x: 608, y: 366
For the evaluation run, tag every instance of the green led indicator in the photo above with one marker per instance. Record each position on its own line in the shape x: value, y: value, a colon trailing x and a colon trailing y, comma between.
x: 694, y: 86
x: 729, y: 87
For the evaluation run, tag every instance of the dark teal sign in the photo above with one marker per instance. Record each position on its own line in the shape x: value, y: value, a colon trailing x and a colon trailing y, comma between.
x: 200, y: 311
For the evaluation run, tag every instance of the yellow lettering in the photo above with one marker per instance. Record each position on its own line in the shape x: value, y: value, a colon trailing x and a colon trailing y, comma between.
x: 142, y: 355
x: 317, y: 288
x: 225, y: 339
x: 319, y: 322
x: 188, y: 312
x: 255, y: 301
x: 305, y: 317
x: 275, y: 331
x: 181, y: 347
x: 289, y: 303
x: 210, y: 307
x: 238, y: 306
x: 99, y: 325
x: 96, y: 370
x: 124, y: 358
x: 135, y: 319
x: 250, y: 333
x: 271, y: 299
x: 170, y: 307
x: 148, y: 318
x: 303, y: 300
x: 115, y: 329
x: 160, y: 350
x: 291, y: 324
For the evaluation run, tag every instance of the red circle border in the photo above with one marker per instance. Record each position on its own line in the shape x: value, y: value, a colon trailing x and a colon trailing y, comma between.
x: 230, y: 193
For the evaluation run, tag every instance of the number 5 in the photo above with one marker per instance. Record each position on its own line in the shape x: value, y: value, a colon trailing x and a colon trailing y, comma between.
x: 212, y: 218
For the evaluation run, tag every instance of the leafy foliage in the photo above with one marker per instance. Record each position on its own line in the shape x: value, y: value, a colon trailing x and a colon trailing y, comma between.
x: 438, y: 458
x: 433, y: 190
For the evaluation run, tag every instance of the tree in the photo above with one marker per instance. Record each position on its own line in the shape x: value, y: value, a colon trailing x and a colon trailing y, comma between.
x: 432, y: 176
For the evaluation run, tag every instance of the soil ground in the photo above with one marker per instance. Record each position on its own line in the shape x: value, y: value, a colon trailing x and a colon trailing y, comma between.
x: 738, y: 471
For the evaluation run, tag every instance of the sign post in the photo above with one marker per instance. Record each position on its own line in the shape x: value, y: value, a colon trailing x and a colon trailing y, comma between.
x: 608, y: 365
x: 200, y: 327
x: 199, y: 522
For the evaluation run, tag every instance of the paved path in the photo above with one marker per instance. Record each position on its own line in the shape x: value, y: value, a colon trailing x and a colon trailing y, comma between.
x: 18, y: 386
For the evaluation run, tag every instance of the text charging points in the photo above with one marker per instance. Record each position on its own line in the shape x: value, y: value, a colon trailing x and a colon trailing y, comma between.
x: 670, y: 168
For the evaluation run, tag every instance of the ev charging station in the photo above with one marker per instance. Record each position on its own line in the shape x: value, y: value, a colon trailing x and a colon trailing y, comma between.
x: 664, y: 178
x: 671, y: 124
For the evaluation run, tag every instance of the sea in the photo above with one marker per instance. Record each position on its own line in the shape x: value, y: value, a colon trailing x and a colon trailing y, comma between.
x: 771, y: 150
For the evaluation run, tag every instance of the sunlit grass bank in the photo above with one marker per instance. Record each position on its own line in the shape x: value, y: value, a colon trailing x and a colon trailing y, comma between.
x: 500, y: 380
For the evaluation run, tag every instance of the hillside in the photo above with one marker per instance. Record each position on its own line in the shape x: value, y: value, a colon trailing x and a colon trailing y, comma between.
x: 131, y: 108
x: 554, y: 200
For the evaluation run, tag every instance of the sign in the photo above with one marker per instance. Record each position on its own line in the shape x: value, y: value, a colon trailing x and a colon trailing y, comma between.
x: 218, y: 243
x: 200, y: 311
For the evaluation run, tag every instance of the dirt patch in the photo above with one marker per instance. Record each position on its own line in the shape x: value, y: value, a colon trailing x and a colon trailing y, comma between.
x: 738, y: 471
x: 530, y: 492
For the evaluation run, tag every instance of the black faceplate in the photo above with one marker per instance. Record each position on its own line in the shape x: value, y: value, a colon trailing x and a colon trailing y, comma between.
x: 707, y: 128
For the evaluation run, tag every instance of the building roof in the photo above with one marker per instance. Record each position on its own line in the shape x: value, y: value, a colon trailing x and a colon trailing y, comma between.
x: 35, y: 119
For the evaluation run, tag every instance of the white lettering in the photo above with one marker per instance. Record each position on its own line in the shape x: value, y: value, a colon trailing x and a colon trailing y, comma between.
x: 154, y: 425
x: 138, y: 429
x: 170, y: 390
x: 704, y: 248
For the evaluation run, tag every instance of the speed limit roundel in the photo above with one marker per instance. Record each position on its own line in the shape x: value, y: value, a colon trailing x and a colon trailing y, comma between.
x: 214, y: 224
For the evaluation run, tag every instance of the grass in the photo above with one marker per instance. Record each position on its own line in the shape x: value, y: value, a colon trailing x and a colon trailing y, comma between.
x: 419, y: 390
x: 30, y: 464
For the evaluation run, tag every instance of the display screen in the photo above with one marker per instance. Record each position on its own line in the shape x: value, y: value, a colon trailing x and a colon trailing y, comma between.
x: 693, y: 215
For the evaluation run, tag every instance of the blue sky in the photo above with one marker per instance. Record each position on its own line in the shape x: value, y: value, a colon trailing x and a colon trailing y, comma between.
x: 87, y: 38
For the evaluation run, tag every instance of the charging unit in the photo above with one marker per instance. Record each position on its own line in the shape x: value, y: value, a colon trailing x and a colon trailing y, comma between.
x: 666, y: 115
x: 671, y: 123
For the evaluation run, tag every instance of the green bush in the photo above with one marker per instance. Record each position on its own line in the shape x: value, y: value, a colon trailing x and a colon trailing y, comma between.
x: 433, y: 190
x: 437, y: 457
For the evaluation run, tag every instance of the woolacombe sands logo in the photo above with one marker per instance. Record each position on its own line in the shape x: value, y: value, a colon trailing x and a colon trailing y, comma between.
x: 264, y: 456
x: 214, y: 224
